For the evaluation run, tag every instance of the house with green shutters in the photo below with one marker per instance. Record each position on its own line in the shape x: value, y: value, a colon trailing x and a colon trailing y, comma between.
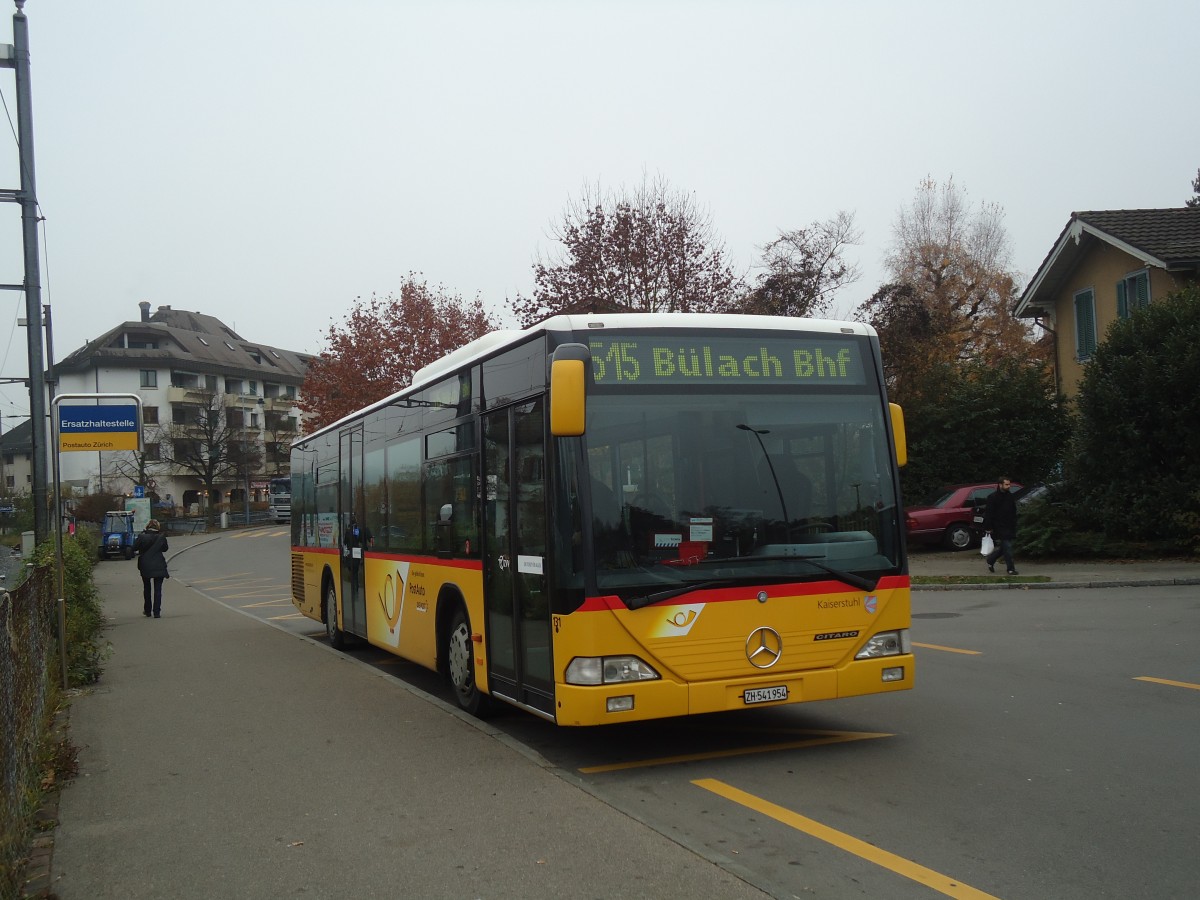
x: 1105, y: 265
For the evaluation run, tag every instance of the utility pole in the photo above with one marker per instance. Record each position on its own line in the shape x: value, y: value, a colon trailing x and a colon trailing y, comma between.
x: 16, y: 56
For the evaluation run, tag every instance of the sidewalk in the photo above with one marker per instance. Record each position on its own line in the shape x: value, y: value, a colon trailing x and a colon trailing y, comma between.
x: 219, y: 758
x: 1071, y: 574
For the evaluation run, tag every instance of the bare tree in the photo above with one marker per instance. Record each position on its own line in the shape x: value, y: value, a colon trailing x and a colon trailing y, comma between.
x: 211, y: 442
x: 279, y: 431
x: 804, y: 268
x: 647, y: 250
x: 136, y: 466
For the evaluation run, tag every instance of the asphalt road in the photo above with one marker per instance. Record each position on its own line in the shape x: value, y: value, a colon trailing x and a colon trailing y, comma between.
x: 1048, y: 750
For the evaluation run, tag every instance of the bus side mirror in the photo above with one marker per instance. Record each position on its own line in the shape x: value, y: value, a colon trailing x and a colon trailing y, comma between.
x: 568, y: 390
x: 898, y: 434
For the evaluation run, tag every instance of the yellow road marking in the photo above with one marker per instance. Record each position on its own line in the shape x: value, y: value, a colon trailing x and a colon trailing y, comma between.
x: 821, y: 739
x: 278, y: 601
x: 1167, y: 681
x: 295, y: 616
x: 214, y: 580
x: 240, y: 577
x: 898, y: 864
x: 948, y: 649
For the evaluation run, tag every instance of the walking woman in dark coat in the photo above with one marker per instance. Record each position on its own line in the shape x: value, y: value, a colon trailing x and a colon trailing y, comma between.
x: 151, y: 548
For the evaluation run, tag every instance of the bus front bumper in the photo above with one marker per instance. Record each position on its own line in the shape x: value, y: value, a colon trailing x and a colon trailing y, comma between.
x: 659, y: 699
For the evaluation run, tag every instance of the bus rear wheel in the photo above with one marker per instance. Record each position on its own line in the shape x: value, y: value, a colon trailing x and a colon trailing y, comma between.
x: 460, y: 664
x: 337, y: 637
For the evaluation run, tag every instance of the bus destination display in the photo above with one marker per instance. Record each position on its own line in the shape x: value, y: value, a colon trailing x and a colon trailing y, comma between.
x: 728, y: 359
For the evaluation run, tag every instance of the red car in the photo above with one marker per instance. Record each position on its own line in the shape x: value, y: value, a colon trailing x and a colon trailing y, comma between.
x: 949, y: 518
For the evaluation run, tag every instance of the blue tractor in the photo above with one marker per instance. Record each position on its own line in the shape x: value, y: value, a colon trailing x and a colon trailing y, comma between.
x: 118, y: 535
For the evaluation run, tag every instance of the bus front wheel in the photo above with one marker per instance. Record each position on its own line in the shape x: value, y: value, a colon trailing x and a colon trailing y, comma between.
x: 460, y: 662
x: 337, y: 637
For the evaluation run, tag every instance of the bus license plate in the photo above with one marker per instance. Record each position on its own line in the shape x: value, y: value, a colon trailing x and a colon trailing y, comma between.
x: 765, y: 694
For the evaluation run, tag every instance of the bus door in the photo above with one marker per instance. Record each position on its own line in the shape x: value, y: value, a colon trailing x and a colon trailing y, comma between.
x: 354, y: 536
x: 515, y: 565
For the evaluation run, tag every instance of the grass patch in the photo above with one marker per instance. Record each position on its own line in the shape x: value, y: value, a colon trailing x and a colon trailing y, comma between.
x: 981, y: 579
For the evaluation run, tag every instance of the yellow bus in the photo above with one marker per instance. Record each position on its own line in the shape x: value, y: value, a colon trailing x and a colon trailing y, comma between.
x: 610, y: 518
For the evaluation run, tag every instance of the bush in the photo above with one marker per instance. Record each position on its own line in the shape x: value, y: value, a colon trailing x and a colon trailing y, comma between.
x: 1134, y: 458
x: 86, y: 647
x: 1058, y: 526
x: 974, y: 422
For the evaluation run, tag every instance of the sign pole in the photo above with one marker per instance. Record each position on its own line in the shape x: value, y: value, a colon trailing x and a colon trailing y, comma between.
x: 56, y: 428
x: 58, y: 552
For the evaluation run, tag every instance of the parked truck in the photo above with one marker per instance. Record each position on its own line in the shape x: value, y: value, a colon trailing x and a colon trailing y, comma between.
x: 279, y: 493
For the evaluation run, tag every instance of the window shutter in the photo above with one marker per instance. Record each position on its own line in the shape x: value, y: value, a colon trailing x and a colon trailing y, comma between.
x: 1133, y: 293
x: 1085, y: 324
x: 1142, y: 282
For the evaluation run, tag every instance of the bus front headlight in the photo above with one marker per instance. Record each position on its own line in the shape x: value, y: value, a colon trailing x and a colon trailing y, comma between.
x: 609, y: 670
x: 886, y: 643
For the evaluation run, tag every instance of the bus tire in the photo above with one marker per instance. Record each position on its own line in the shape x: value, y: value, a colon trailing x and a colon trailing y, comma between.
x: 337, y: 637
x: 460, y: 665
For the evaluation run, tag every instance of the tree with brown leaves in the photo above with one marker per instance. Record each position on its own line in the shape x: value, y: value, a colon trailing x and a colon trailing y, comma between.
x: 649, y: 250
x: 952, y: 290
x: 382, y: 341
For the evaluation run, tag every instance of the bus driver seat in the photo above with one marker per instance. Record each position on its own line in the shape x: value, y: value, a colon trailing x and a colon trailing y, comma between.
x: 789, y: 481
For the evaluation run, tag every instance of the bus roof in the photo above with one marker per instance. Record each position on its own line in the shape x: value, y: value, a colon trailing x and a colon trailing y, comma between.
x: 494, y: 341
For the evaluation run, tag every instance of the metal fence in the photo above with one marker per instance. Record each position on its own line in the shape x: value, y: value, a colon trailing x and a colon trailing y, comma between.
x: 27, y: 686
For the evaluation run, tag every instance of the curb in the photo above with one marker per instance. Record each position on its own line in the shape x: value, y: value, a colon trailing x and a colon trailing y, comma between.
x: 1058, y: 585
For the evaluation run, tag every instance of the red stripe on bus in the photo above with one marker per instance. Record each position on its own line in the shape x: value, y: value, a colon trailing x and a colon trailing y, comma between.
x: 725, y: 595
x: 416, y: 560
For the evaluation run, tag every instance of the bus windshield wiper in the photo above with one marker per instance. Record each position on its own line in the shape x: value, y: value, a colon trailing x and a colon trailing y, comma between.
x: 855, y: 581
x: 639, y: 602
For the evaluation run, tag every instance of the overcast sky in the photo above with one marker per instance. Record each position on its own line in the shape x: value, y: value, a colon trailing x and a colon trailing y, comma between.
x: 268, y: 162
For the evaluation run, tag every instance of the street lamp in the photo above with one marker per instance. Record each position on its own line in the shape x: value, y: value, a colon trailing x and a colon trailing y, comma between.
x: 758, y: 433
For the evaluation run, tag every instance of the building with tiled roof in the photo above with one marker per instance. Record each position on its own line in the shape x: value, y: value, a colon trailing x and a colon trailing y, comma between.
x: 1104, y: 266
x: 178, y: 362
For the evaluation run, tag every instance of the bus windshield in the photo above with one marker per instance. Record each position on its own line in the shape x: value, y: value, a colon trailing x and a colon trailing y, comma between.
x: 760, y: 486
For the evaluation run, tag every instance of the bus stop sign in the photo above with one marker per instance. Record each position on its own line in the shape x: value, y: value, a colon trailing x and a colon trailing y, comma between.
x: 98, y: 428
